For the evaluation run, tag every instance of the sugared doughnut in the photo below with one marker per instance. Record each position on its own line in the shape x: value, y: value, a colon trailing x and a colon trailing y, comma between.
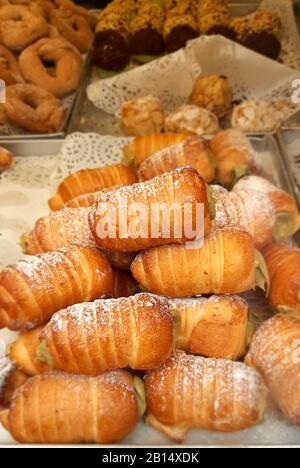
x: 20, y: 26
x: 9, y: 69
x: 52, y: 63
x: 33, y: 108
x: 73, y: 27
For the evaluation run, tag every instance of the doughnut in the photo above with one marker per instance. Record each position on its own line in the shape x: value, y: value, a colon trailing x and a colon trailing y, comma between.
x: 6, y: 159
x: 20, y: 26
x: 9, y: 68
x: 73, y: 27
x: 33, y: 108
x: 91, y: 17
x: 53, y: 64
x: 3, y: 118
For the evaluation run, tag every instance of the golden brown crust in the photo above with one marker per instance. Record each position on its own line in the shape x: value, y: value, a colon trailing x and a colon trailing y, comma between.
x: 223, y: 265
x: 73, y: 27
x: 6, y: 159
x: 20, y: 26
x: 59, y: 408
x: 194, y: 392
x: 32, y: 290
x: 144, y: 146
x: 57, y: 230
x: 125, y: 284
x: 9, y: 69
x: 275, y: 351
x: 252, y: 211
x: 212, y: 93
x: 175, y: 189
x: 214, y: 327
x: 91, y: 180
x: 33, y: 108
x: 135, y: 332
x: 60, y: 80
x: 23, y: 353
x: 283, y: 263
x: 233, y: 151
x: 13, y: 381
x: 191, y: 152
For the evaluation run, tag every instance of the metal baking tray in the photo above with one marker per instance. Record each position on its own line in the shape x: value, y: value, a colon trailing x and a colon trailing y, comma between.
x: 33, y: 147
x: 26, y: 137
x: 275, y: 431
x: 289, y: 144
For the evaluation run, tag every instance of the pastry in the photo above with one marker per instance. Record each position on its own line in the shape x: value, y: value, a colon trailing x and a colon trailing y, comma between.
x: 146, y: 29
x: 100, y: 409
x: 142, y: 116
x: 212, y: 93
x: 13, y: 381
x: 283, y: 263
x: 91, y: 180
x: 133, y: 218
x: 62, y: 74
x: 235, y: 156
x: 216, y: 327
x: 213, y: 394
x: 144, y: 146
x: 191, y: 118
x: 224, y: 264
x: 32, y: 290
x: 90, y: 338
x: 263, y: 43
x: 267, y: 21
x: 274, y: 352
x: 20, y: 26
x: 73, y: 27
x: 252, y: 211
x: 190, y: 152
x: 255, y: 116
x: 178, y: 30
x: 23, y: 353
x: 57, y: 230
x: 34, y: 109
x: 6, y: 159
x: 286, y: 210
x: 9, y: 68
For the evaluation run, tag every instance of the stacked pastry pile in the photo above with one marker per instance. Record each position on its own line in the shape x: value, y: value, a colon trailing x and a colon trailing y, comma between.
x: 151, y: 27
x: 40, y: 59
x: 209, y: 107
x: 83, y: 319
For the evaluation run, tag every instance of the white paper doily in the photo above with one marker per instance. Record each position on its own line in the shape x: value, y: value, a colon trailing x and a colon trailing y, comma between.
x: 171, y: 78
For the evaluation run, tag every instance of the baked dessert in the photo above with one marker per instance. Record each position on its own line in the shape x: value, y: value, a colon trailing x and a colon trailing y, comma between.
x: 73, y: 27
x: 192, y: 152
x: 191, y: 118
x: 178, y: 30
x: 146, y: 29
x: 6, y: 159
x: 283, y: 264
x: 135, y: 332
x: 133, y: 218
x: 54, y: 64
x: 214, y: 327
x: 213, y: 93
x: 224, y: 264
x: 263, y: 43
x: 88, y: 181
x: 235, y: 156
x: 34, y: 109
x: 106, y: 414
x: 142, y: 116
x: 274, y: 352
x: 9, y: 68
x: 32, y: 290
x: 144, y: 146
x: 255, y: 116
x: 193, y: 392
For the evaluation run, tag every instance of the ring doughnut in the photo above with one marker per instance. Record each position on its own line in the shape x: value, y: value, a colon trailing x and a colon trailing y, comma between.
x: 53, y: 64
x: 73, y: 27
x: 6, y: 159
x: 78, y: 10
x: 33, y: 108
x: 9, y: 68
x: 20, y: 26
